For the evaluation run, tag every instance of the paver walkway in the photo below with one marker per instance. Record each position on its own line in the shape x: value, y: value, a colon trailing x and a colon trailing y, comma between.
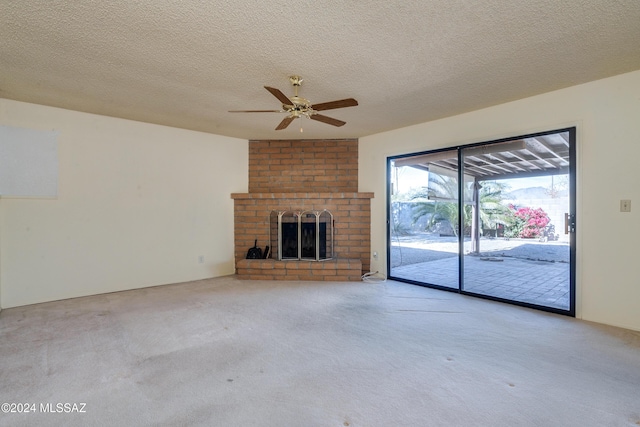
x: 525, y: 271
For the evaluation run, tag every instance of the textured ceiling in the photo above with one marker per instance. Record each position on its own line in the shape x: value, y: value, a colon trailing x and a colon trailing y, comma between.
x: 185, y: 63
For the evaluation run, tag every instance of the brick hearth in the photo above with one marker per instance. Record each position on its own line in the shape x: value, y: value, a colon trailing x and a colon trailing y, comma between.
x: 303, y: 175
x: 333, y: 270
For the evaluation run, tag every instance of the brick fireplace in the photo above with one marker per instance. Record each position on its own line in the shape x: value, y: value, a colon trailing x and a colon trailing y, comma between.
x: 304, y: 175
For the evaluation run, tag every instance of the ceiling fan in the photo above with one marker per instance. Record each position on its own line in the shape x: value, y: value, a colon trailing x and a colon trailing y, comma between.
x: 297, y: 106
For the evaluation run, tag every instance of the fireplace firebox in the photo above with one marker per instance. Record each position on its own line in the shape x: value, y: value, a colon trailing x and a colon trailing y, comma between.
x: 304, y: 235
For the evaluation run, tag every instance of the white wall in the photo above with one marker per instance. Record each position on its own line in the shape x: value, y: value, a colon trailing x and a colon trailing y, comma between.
x: 137, y: 205
x: 607, y: 116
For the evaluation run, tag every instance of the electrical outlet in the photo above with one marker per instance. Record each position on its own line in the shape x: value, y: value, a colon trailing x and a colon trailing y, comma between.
x: 375, y: 255
x: 625, y: 205
x: 201, y: 259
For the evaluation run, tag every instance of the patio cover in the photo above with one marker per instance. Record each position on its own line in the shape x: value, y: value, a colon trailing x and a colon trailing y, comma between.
x: 536, y: 156
x: 519, y: 158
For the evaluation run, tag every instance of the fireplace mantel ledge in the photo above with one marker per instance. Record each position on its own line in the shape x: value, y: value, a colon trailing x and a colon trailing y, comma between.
x: 310, y: 195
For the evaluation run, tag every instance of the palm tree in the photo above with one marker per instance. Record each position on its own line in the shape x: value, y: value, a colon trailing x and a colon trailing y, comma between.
x: 439, y: 211
x: 492, y: 210
x: 440, y: 202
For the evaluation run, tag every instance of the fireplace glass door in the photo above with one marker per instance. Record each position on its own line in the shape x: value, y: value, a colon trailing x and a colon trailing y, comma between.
x: 304, y: 235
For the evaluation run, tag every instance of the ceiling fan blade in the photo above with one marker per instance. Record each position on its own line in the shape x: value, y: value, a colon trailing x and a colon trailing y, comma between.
x: 285, y: 122
x: 256, y: 111
x: 349, y: 102
x: 278, y: 94
x: 327, y: 120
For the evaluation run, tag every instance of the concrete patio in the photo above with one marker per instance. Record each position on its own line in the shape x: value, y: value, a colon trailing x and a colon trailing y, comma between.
x: 522, y: 270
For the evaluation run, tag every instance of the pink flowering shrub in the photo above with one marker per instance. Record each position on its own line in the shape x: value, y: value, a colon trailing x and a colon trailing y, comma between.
x: 528, y: 223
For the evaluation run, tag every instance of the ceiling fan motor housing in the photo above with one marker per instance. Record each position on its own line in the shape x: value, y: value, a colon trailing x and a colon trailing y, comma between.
x: 300, y: 105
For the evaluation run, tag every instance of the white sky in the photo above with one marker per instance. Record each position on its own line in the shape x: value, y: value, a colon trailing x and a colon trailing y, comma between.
x: 409, y: 178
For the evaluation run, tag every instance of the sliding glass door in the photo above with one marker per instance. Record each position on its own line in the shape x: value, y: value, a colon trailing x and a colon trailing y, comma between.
x: 492, y: 219
x: 423, y: 218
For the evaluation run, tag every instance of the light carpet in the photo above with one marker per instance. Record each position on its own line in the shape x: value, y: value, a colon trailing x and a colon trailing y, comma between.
x: 228, y: 352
